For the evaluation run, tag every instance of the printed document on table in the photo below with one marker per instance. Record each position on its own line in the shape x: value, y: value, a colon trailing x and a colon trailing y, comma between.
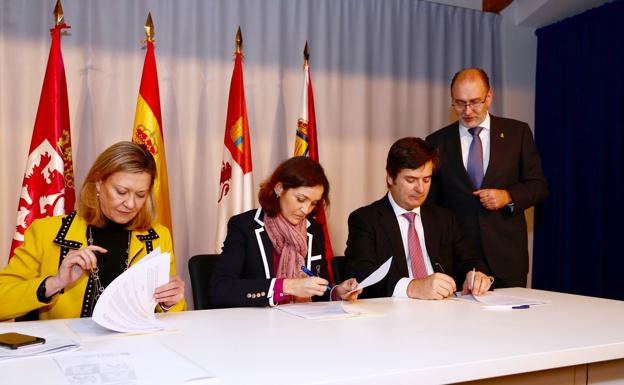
x: 320, y: 310
x: 55, y: 340
x: 493, y: 299
x: 127, y: 304
x: 147, y: 362
x: 375, y: 277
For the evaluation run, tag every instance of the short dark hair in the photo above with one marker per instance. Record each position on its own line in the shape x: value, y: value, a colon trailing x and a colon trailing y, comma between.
x: 299, y: 171
x: 481, y: 73
x: 410, y: 153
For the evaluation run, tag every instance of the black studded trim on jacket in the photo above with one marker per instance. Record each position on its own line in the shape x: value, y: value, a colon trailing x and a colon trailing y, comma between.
x: 66, y: 245
x: 62, y: 233
x: 151, y: 235
x: 88, y: 301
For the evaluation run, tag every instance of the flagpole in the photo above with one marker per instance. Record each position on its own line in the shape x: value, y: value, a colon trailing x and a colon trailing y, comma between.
x: 235, y: 182
x: 306, y: 143
x: 48, y: 192
x: 306, y: 56
x: 239, y: 41
x: 59, y: 17
x: 148, y: 128
x: 149, y: 29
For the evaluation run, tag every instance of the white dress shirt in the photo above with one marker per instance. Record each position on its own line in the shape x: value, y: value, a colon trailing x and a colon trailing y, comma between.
x: 400, y: 290
x: 466, y: 139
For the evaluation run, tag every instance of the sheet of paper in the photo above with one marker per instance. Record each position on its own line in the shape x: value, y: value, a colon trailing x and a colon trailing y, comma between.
x: 127, y: 304
x: 88, y: 329
x: 375, y: 277
x: 55, y: 340
x: 320, y: 310
x: 492, y: 299
x: 147, y: 362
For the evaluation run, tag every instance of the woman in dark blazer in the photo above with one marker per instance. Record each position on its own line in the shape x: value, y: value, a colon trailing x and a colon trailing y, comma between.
x: 265, y: 249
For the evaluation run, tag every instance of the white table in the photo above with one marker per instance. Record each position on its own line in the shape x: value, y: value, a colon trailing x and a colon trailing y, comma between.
x: 412, y: 342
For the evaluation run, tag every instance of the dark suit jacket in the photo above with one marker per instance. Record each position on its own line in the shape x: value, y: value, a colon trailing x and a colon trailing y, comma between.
x: 514, y: 165
x: 375, y: 236
x: 244, y: 272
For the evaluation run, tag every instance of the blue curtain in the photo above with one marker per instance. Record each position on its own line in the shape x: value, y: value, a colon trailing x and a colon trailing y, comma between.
x: 579, y: 126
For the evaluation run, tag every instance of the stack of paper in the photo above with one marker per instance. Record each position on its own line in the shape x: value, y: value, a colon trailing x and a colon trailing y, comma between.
x: 127, y: 304
x: 493, y: 300
x: 318, y: 310
x: 55, y: 341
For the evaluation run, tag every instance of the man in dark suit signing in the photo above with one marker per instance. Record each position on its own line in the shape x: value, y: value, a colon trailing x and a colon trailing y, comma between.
x: 490, y: 172
x: 428, y: 247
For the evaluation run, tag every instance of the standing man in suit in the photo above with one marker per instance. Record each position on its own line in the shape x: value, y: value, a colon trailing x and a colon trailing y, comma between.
x: 490, y: 172
x: 425, y: 241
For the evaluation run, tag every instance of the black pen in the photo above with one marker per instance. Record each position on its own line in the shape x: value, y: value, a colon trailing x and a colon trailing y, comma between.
x: 440, y: 269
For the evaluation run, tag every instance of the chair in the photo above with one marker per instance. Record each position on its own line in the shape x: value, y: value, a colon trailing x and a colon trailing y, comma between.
x: 338, y: 268
x: 200, y: 269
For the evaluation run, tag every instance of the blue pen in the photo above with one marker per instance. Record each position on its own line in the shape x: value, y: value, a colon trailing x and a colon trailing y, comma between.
x: 310, y: 274
x: 521, y: 307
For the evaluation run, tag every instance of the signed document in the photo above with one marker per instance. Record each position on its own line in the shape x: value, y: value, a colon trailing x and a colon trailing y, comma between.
x: 497, y: 300
x: 322, y: 310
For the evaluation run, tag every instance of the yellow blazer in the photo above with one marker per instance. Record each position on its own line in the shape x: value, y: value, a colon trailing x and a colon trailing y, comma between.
x: 39, y: 258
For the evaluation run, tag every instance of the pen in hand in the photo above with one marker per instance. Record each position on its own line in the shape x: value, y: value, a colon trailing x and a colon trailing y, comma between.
x: 440, y: 269
x: 310, y: 274
x: 472, y: 280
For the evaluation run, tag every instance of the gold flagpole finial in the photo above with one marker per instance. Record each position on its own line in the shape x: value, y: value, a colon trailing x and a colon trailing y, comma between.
x: 149, y: 28
x: 306, y: 55
x: 59, y: 18
x: 239, y: 41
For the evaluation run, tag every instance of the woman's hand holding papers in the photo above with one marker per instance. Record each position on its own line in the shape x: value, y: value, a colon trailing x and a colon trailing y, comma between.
x: 170, y: 293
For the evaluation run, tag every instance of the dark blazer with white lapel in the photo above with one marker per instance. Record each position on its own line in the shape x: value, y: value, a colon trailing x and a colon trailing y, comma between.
x: 514, y: 165
x: 244, y: 272
x: 375, y: 236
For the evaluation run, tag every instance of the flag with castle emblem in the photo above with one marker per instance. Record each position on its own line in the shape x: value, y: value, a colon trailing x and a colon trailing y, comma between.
x: 148, y: 127
x: 307, y: 145
x: 236, y: 183
x: 48, y: 186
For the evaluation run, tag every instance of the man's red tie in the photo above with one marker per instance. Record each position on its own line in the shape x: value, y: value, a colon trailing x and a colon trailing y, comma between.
x: 416, y: 255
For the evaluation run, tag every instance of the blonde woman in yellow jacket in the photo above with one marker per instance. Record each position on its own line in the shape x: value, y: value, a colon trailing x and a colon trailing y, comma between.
x: 65, y: 262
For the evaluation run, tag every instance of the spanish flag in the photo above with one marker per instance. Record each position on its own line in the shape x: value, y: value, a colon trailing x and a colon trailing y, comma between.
x: 236, y: 183
x: 148, y: 128
x: 307, y: 145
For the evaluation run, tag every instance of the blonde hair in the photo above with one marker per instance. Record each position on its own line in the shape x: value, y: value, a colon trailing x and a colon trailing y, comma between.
x: 120, y: 157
